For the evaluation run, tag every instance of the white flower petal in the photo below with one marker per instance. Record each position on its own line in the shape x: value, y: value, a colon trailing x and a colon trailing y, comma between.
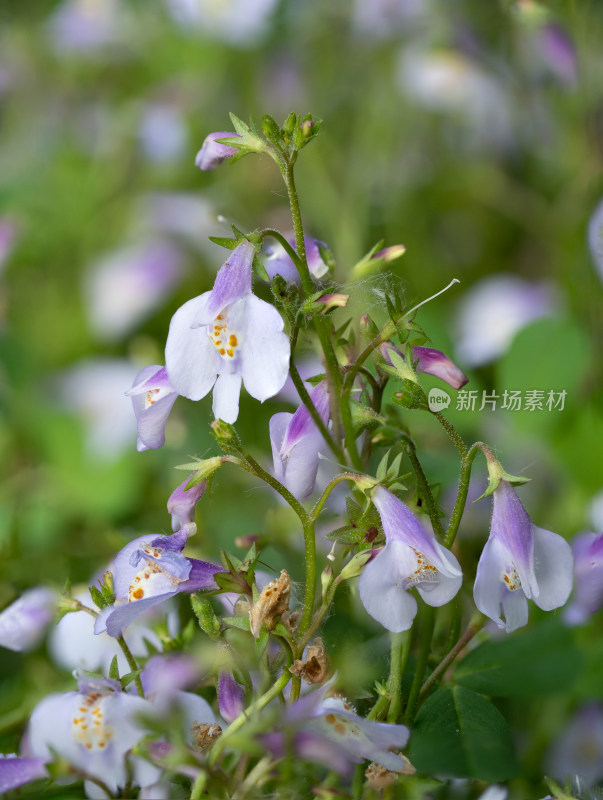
x: 554, y: 567
x: 265, y: 349
x: 191, y: 358
x: 515, y: 609
x: 488, y: 588
x: 226, y: 396
x: 381, y: 592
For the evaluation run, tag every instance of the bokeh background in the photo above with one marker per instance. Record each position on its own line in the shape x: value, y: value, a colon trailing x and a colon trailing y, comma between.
x: 471, y: 132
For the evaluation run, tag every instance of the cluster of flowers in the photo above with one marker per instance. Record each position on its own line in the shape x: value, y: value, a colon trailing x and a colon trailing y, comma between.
x: 221, y: 340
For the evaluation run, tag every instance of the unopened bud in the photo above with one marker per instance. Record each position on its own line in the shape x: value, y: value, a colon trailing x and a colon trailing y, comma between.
x: 390, y: 253
x: 225, y: 434
x: 368, y: 327
x: 289, y: 123
x: 326, y: 579
x: 355, y: 565
x: 306, y: 128
x: 208, y: 621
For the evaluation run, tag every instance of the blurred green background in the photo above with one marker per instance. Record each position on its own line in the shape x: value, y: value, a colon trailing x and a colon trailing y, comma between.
x: 469, y: 131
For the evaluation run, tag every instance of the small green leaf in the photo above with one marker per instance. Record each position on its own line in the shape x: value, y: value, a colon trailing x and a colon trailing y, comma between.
x: 460, y: 734
x: 242, y: 623
x: 114, y: 669
x: 127, y: 679
x: 224, y: 241
x: 538, y: 661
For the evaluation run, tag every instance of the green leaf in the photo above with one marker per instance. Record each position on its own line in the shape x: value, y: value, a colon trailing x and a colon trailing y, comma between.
x: 460, y: 734
x: 537, y: 661
x: 242, y: 623
x: 114, y: 669
x: 240, y: 127
x: 127, y: 679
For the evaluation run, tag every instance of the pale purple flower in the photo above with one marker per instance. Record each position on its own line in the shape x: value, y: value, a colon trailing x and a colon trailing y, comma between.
x: 431, y: 362
x: 278, y: 262
x: 182, y: 503
x: 411, y: 558
x: 166, y: 674
x: 520, y: 562
x: 24, y: 623
x: 578, y: 751
x: 94, y: 389
x: 588, y: 575
x: 152, y: 400
x: 595, y: 238
x: 231, y: 697
x: 162, y: 132
x: 494, y: 310
x: 125, y: 286
x: 296, y: 443
x: 93, y: 729
x: 227, y: 337
x: 8, y: 235
x: 237, y: 22
x: 148, y: 571
x: 212, y: 153
x: 328, y: 730
x: 558, y: 53
x: 15, y: 771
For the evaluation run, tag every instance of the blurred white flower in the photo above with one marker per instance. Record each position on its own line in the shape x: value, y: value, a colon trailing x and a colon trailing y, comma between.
x: 595, y: 511
x: 127, y: 285
x: 86, y: 26
x: 238, y: 22
x: 162, y: 132
x: 95, y: 390
x: 448, y: 82
x: 385, y: 18
x: 187, y: 217
x: 493, y: 310
x: 578, y: 751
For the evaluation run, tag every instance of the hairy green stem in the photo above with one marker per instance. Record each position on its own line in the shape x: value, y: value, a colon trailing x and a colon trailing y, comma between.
x: 432, y: 509
x: 298, y: 229
x: 399, y: 653
x: 131, y: 663
x: 343, y: 476
x: 474, y: 627
x: 260, y: 472
x: 307, y: 401
x: 451, y: 431
x: 285, y: 244
x: 426, y: 635
x: 461, y: 497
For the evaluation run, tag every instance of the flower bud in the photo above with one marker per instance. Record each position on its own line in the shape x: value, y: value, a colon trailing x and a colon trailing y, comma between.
x: 208, y: 621
x: 355, y: 565
x: 326, y: 579
x: 306, y: 128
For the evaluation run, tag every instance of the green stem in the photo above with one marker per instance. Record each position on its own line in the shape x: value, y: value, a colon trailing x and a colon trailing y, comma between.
x: 310, y: 590
x: 286, y: 246
x: 432, y: 509
x: 399, y: 654
x: 451, y: 431
x: 474, y: 627
x: 131, y: 663
x: 298, y: 229
x: 260, y: 472
x: 234, y: 726
x: 263, y: 766
x: 199, y: 785
x: 343, y: 476
x: 307, y: 401
x: 426, y: 634
x: 295, y: 688
x: 358, y: 781
x: 379, y: 707
x: 461, y: 497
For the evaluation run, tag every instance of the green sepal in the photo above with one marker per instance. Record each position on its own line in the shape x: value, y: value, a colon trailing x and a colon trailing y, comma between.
x: 271, y: 129
x: 411, y: 396
x: 98, y: 598
x: 242, y: 623
x: 259, y: 269
x: 496, y: 474
x: 114, y: 669
x: 225, y: 241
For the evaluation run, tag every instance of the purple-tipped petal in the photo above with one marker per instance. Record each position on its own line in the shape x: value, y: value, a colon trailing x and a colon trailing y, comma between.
x: 212, y: 153
x: 15, y: 772
x: 434, y: 362
x: 152, y: 400
x: 520, y: 562
x: 231, y: 697
x: 233, y: 281
x: 182, y: 503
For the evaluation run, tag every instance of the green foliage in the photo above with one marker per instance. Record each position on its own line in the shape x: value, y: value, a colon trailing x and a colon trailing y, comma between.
x: 539, y: 661
x: 459, y: 733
